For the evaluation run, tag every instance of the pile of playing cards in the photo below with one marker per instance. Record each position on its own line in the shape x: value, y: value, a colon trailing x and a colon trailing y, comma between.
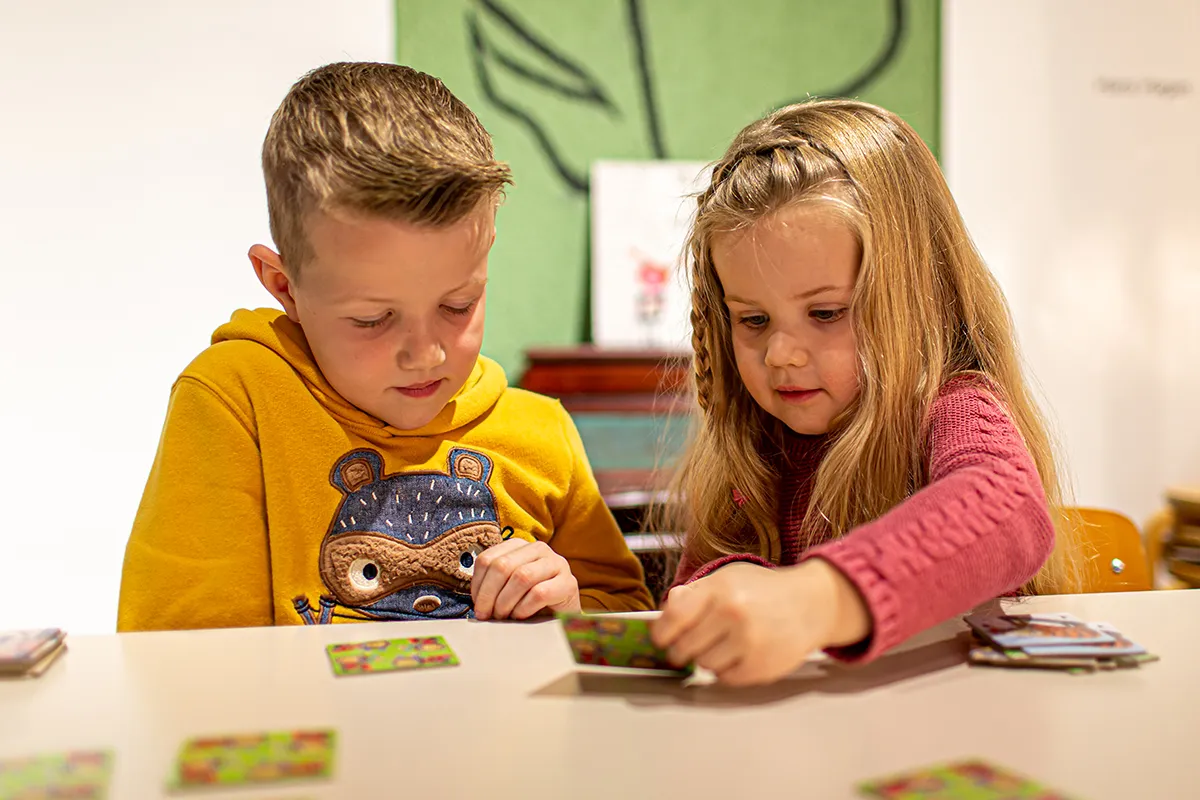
x: 29, y: 653
x: 1053, y: 641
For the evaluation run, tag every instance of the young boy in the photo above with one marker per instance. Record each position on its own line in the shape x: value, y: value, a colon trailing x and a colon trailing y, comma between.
x: 354, y: 457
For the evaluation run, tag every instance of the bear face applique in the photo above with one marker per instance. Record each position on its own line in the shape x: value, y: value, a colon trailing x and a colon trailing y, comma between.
x: 403, y: 546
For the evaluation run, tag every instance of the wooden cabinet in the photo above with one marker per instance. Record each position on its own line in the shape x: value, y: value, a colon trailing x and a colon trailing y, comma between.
x: 631, y: 408
x: 588, y: 378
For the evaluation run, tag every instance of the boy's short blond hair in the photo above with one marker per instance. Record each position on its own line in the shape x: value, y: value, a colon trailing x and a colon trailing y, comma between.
x: 377, y: 139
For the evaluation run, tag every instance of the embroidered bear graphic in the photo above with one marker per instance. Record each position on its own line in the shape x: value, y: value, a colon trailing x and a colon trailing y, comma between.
x: 403, y: 546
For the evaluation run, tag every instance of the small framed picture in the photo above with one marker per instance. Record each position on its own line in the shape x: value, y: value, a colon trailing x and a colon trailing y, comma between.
x: 641, y: 211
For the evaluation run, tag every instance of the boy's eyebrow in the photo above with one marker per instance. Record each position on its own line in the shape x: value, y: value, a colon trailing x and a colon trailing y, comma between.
x: 470, y: 282
x: 386, y: 301
x: 732, y: 298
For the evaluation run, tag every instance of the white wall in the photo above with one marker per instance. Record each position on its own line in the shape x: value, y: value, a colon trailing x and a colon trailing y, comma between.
x: 1070, y: 141
x: 130, y: 191
x: 129, y: 143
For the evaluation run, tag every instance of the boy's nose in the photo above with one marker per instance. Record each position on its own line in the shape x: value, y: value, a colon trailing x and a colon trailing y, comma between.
x: 419, y: 352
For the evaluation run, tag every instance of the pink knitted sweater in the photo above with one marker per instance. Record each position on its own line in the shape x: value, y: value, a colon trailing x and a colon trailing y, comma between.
x: 980, y: 529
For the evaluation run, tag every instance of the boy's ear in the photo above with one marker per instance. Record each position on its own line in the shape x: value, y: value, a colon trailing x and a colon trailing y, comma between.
x: 268, y: 266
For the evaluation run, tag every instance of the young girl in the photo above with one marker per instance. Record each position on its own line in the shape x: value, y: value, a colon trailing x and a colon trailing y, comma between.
x: 863, y: 424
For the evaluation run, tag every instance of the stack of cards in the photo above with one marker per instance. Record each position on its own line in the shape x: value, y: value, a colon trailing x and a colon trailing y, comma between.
x: 259, y: 758
x: 1053, y: 641
x: 618, y: 642
x: 29, y: 653
x: 964, y: 780
x: 78, y: 774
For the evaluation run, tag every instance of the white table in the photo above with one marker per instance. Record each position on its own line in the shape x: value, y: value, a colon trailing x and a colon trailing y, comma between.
x: 515, y: 720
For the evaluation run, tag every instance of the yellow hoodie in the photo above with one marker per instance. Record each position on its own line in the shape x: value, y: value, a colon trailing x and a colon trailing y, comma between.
x: 272, y: 500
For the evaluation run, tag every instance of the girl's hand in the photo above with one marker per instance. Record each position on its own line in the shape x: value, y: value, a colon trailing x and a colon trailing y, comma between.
x: 752, y: 625
x: 516, y: 579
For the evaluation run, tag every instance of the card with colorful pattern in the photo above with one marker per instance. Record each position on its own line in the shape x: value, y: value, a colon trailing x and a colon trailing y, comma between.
x: 601, y: 640
x: 255, y: 758
x: 964, y: 780
x: 76, y: 774
x: 389, y: 655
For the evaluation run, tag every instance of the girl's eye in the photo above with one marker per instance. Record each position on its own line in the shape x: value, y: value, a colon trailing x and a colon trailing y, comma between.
x: 827, y: 314
x: 372, y: 323
x: 460, y: 311
x: 753, y: 321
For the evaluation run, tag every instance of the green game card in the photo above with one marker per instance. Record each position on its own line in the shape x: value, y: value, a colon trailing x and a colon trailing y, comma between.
x: 388, y: 655
x: 255, y: 758
x: 79, y: 774
x: 963, y: 780
x: 601, y: 640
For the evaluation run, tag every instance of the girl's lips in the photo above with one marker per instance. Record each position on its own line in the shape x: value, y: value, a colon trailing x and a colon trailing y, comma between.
x: 794, y: 394
x: 420, y: 389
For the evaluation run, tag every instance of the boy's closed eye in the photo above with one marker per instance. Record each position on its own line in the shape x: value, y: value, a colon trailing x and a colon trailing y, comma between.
x: 454, y: 309
x: 459, y: 309
x: 373, y: 322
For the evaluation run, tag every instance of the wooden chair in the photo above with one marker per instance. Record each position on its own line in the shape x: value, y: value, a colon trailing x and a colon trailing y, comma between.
x: 1113, y: 556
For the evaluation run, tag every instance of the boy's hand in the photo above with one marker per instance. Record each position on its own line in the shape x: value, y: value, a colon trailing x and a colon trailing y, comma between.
x: 516, y: 579
x: 752, y: 625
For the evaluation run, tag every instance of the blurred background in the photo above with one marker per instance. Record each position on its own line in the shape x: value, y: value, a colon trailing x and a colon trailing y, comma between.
x: 129, y: 163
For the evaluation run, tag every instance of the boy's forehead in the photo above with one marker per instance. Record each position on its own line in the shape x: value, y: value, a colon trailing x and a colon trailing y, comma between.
x: 337, y: 231
x: 353, y: 254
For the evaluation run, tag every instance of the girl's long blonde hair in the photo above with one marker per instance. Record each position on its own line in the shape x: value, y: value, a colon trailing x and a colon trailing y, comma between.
x: 925, y: 309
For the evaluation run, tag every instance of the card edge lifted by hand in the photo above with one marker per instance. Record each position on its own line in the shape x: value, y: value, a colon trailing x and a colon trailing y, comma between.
x: 566, y: 618
x: 445, y: 656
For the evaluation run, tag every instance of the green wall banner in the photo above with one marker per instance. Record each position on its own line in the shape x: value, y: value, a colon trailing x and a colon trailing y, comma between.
x: 563, y: 83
